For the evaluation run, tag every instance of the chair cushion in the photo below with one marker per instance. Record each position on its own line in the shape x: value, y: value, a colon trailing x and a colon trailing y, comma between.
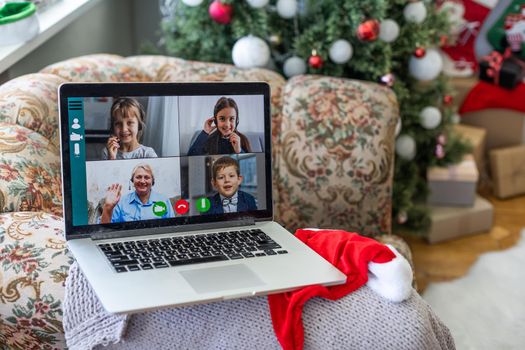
x: 181, y: 70
x: 29, y: 171
x: 33, y: 269
x: 31, y: 101
x: 97, y: 68
x: 151, y: 64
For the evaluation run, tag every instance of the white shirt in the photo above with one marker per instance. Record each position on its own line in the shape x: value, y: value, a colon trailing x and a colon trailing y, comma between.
x: 141, y: 152
x: 230, y: 207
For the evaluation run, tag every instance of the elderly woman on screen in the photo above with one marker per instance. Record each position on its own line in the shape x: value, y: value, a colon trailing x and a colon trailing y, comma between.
x: 141, y: 204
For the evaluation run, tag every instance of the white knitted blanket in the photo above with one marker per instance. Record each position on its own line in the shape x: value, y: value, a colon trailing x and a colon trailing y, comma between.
x: 361, y: 320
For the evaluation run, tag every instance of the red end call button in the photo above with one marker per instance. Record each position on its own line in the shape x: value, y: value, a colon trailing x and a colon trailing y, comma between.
x: 182, y: 206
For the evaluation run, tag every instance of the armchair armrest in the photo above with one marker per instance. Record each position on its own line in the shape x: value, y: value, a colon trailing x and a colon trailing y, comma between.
x: 31, y: 101
x: 97, y: 68
x: 33, y: 270
x: 336, y: 155
x: 29, y: 171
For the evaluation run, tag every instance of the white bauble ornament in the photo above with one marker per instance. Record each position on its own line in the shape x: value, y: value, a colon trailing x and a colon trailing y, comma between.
x: 415, y: 12
x: 250, y: 51
x: 287, y: 8
x: 398, y: 127
x: 340, y: 51
x: 294, y: 66
x: 192, y: 3
x: 430, y: 117
x: 455, y: 12
x: 257, y: 4
x: 406, y: 147
x: 455, y: 118
x: 427, y: 67
x: 402, y: 217
x: 389, y: 30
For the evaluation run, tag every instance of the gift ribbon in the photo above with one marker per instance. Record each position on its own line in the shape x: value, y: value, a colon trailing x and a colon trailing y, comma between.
x: 495, y: 61
x: 455, y: 171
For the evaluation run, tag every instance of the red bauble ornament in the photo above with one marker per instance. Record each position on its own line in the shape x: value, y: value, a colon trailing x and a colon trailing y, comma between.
x: 447, y: 99
x: 368, y: 30
x: 315, y: 61
x: 420, y: 52
x: 220, y: 13
x: 443, y: 40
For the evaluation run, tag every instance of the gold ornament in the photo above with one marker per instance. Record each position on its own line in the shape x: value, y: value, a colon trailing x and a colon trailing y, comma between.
x: 275, y: 39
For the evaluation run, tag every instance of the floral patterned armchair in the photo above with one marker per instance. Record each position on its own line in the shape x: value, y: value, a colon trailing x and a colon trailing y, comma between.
x: 332, y: 155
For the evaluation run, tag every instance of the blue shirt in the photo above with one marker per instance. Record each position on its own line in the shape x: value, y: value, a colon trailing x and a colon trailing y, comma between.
x: 130, y: 208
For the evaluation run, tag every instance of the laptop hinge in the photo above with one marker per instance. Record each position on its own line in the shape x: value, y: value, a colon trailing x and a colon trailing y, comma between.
x: 173, y: 229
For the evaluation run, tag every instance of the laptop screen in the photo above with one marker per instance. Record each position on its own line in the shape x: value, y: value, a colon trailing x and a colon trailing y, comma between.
x: 153, y: 155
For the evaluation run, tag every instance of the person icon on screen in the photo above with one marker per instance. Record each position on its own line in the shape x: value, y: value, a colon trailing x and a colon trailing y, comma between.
x: 75, y: 124
x: 127, y: 127
x: 226, y: 179
x: 141, y: 204
x: 220, y: 134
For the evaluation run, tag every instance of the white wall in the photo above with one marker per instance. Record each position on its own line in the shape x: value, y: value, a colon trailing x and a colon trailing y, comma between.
x: 111, y: 26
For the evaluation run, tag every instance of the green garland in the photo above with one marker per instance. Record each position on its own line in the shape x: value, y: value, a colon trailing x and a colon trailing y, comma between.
x: 190, y: 33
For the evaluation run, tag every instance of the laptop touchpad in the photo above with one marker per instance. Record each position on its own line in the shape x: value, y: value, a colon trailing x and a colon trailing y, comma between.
x: 219, y: 278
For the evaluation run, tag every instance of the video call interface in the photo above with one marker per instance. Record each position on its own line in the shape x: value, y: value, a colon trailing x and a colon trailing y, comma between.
x: 136, y: 158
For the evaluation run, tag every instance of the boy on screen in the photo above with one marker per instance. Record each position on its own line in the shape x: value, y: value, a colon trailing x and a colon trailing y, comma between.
x: 226, y: 179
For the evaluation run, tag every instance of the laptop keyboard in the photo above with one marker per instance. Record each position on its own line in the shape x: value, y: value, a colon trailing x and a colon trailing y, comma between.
x: 147, y: 254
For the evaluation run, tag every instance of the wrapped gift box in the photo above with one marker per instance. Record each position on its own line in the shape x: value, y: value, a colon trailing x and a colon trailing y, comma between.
x: 455, y: 184
x: 476, y: 136
x: 454, y: 222
x: 504, y: 127
x: 508, y: 171
x: 461, y: 88
x: 502, y: 70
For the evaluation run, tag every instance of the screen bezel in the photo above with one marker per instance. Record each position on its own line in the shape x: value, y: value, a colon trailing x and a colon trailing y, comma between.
x: 82, y: 90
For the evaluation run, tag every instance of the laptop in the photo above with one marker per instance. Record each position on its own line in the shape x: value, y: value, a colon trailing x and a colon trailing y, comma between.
x: 167, y: 192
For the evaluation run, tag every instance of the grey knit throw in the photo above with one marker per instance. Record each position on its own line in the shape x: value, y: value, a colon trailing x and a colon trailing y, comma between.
x: 361, y: 320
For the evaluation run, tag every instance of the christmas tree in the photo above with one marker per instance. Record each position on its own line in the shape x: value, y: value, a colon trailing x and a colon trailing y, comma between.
x: 387, y: 41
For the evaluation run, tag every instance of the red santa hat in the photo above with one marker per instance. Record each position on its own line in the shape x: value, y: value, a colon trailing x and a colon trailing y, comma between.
x: 362, y: 259
x: 486, y: 95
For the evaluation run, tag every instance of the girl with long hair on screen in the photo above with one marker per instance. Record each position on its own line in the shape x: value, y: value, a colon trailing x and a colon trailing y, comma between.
x: 220, y: 134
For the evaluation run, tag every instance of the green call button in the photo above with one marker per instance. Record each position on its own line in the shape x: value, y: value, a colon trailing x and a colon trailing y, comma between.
x: 203, y: 204
x: 160, y: 208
